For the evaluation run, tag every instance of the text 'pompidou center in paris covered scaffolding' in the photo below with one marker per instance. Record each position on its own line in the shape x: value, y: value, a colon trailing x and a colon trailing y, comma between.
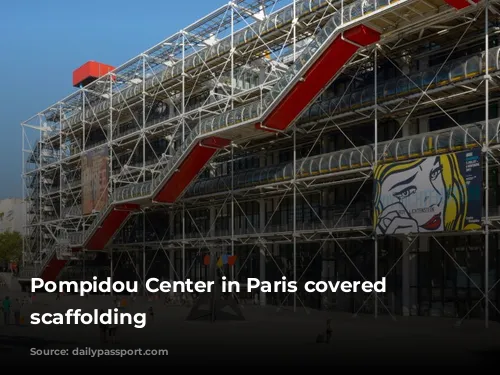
x: 317, y: 140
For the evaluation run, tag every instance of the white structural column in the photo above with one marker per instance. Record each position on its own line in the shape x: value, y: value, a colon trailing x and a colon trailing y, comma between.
x: 262, y: 249
x: 375, y: 159
x: 406, y: 256
x: 295, y: 214
x: 144, y: 241
x: 486, y: 148
x: 232, y: 209
x: 405, y: 273
x: 327, y: 201
x: 262, y: 272
x: 423, y: 241
x: 405, y: 260
x: 294, y: 174
x: 409, y: 274
x: 144, y: 145
x: 112, y: 268
x: 233, y: 83
x: 183, y: 255
x: 171, y: 253
x: 213, y: 255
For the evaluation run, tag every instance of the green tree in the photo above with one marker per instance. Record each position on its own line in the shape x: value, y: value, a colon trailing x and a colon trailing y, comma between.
x: 11, y: 246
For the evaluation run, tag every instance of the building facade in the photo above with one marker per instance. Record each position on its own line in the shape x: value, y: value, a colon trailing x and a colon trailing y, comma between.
x: 311, y: 139
x: 12, y: 211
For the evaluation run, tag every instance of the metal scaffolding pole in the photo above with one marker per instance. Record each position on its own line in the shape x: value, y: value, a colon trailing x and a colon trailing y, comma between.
x: 144, y: 254
x: 144, y: 118
x: 232, y: 209
x: 144, y: 173
x: 294, y: 29
x: 183, y: 109
x: 111, y: 276
x: 487, y: 173
x: 183, y: 260
x: 294, y: 214
x: 40, y: 197
x: 183, y: 94
x: 23, y: 195
x: 84, y: 130
x: 61, y: 181
x: 294, y: 169
x: 110, y: 137
x: 341, y: 12
x: 232, y: 145
x: 375, y: 159
x: 84, y: 141
x: 232, y: 56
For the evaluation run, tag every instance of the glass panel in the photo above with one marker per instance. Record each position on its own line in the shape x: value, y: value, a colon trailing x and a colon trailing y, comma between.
x: 367, y: 155
x: 356, y: 10
x: 335, y: 161
x: 305, y: 167
x: 443, y: 142
x: 380, y: 151
x: 492, y: 59
x: 473, y: 67
x: 315, y: 166
x: 428, y: 144
x: 428, y: 78
x: 355, y: 158
x: 403, y: 146
x: 494, y: 128
x: 315, y: 111
x: 415, y: 147
x: 323, y: 165
x: 344, y: 160
x: 345, y: 103
x: 390, y: 89
x: 221, y: 184
x: 457, y: 138
x: 474, y: 135
x: 380, y: 90
x: 457, y: 71
x: 402, y: 86
x: 368, y: 6
x: 356, y: 99
x: 368, y: 96
x: 443, y: 76
x: 391, y: 150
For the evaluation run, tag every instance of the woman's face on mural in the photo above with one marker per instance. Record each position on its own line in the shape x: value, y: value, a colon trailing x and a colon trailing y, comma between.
x: 414, y: 197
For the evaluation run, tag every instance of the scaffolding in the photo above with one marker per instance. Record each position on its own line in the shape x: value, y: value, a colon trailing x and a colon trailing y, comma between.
x: 256, y: 132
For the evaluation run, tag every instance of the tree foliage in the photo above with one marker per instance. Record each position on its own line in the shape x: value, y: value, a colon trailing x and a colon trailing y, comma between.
x: 11, y: 246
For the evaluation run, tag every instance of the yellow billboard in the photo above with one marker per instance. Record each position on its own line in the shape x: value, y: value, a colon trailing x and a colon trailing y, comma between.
x: 429, y: 195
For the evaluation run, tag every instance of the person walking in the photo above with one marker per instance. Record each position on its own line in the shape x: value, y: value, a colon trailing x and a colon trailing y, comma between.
x: 17, y: 312
x: 329, y: 331
x: 112, y: 332
x: 6, y: 310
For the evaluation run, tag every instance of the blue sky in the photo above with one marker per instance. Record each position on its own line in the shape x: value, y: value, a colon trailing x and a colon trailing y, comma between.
x: 42, y: 42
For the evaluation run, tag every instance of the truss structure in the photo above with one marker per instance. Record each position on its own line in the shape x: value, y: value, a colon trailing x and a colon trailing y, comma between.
x: 256, y: 132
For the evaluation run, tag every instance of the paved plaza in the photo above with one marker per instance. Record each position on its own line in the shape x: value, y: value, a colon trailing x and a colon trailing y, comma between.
x: 267, y: 336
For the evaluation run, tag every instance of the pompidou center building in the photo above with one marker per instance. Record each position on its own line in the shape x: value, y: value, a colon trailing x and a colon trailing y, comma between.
x: 317, y: 140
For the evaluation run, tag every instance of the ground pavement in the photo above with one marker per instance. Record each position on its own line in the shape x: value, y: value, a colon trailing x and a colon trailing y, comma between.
x: 266, y: 337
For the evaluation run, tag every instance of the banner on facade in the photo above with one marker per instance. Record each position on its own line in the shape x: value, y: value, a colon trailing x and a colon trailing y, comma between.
x: 95, y: 178
x: 428, y: 195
